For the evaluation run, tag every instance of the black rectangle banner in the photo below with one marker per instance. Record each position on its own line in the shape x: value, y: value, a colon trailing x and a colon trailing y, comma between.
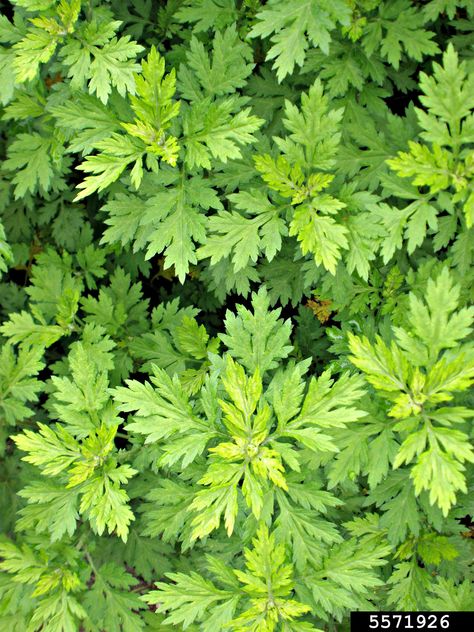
x: 412, y: 621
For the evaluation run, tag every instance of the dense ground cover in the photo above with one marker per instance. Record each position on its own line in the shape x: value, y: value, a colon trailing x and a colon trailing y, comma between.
x: 236, y: 247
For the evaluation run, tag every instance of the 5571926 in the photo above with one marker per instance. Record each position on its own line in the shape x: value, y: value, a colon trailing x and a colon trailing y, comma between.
x: 437, y: 621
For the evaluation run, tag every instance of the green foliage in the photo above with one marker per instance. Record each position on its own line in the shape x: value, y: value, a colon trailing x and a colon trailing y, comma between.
x: 236, y: 339
x: 18, y: 384
x: 265, y: 585
x: 154, y: 109
x: 447, y: 124
x: 111, y: 603
x: 418, y: 379
x: 296, y: 25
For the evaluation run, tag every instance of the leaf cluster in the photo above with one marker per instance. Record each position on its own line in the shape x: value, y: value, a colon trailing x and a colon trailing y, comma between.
x: 236, y: 352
